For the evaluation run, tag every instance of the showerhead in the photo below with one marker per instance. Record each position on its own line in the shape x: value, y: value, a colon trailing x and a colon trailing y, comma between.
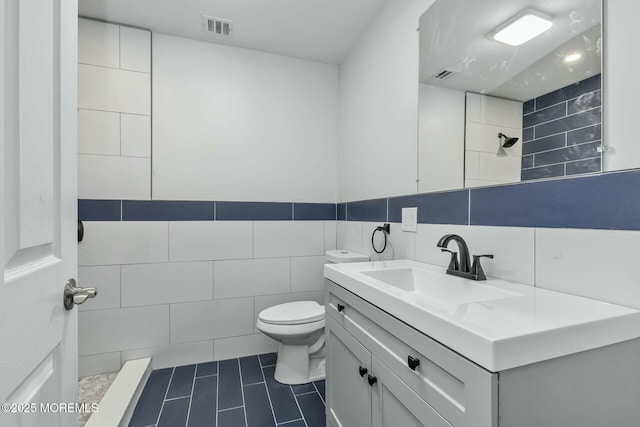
x: 508, y: 141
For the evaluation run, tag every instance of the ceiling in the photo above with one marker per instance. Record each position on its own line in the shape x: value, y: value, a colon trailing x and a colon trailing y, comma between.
x: 453, y: 35
x: 323, y: 31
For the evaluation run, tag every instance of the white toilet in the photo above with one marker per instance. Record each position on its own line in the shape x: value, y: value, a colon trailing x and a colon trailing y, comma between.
x: 299, y: 328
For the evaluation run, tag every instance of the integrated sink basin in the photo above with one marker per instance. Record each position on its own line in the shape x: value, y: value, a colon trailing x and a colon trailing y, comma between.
x: 497, y: 324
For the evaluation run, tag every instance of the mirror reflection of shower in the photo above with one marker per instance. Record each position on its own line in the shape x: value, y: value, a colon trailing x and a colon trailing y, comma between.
x: 505, y: 141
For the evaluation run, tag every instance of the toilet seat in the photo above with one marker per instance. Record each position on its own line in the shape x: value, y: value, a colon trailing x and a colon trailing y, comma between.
x: 293, y: 313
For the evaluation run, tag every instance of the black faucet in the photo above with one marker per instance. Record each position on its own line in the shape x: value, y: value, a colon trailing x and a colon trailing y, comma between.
x: 462, y: 268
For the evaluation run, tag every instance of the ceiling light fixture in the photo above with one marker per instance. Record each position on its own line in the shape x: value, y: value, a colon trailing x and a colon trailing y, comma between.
x: 522, y: 28
x: 572, y: 57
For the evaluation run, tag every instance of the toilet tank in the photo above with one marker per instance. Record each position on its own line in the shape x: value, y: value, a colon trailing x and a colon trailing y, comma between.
x: 339, y: 256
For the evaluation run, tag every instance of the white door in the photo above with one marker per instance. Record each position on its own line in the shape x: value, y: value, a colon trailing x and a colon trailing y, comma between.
x: 38, y: 337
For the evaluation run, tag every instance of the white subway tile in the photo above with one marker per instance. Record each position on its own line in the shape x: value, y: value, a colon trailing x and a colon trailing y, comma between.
x: 109, y: 177
x: 204, y: 320
x: 330, y: 235
x: 149, y: 284
x: 109, y: 89
x: 494, y: 168
x: 209, y: 240
x: 307, y: 273
x: 98, y: 132
x: 350, y: 236
x: 135, y: 135
x: 103, y: 331
x: 245, y: 345
x: 135, y: 49
x: 167, y: 356
x: 598, y: 264
x: 98, y: 43
x: 288, y: 238
x: 98, y: 364
x: 250, y: 277
x: 263, y: 302
x: 512, y: 247
x: 107, y: 280
x: 403, y: 243
x: 126, y: 242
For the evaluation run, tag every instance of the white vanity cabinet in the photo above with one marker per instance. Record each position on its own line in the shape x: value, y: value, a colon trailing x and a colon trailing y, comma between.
x: 370, y: 381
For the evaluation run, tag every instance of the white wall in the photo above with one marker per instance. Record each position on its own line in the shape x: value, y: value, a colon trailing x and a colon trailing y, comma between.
x: 377, y: 154
x: 441, y: 139
x: 237, y: 124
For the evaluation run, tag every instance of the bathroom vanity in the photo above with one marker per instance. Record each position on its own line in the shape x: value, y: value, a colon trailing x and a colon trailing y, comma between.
x: 408, y: 345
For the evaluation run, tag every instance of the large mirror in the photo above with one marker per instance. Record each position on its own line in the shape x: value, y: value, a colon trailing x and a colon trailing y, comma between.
x: 510, y: 91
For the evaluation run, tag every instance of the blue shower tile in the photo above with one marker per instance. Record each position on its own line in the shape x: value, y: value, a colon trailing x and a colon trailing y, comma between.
x: 164, y: 210
x: 567, y: 203
x: 314, y: 211
x: 528, y: 107
x: 588, y: 85
x: 251, y: 370
x: 527, y: 134
x: 527, y: 162
x: 297, y: 423
x: 203, y: 402
x: 174, y: 413
x: 231, y: 418
x: 257, y: 405
x: 282, y: 399
x: 367, y: 210
x: 588, y: 134
x: 209, y: 368
x: 550, y: 171
x: 148, y: 407
x: 313, y: 409
x: 99, y: 210
x: 544, y: 115
x: 268, y: 359
x: 254, y: 211
x: 573, y: 152
x: 568, y: 123
x: 341, y: 212
x: 586, y: 101
x: 229, y: 387
x: 584, y: 166
x: 182, y: 381
x: 544, y: 144
x: 433, y: 208
x: 320, y: 387
x: 303, y: 388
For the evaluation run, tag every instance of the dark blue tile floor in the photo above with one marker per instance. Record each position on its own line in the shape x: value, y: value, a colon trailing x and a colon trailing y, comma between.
x: 229, y: 393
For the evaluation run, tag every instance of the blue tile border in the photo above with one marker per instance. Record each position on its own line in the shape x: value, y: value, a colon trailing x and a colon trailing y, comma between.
x: 433, y: 208
x: 314, y: 211
x: 99, y: 210
x: 367, y: 210
x: 254, y: 211
x: 163, y: 210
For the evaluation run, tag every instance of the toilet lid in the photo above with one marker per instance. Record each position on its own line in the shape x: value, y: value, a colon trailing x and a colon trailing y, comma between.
x: 293, y: 313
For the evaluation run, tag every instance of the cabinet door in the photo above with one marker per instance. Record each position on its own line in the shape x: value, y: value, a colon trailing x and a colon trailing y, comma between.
x: 394, y: 404
x: 348, y: 393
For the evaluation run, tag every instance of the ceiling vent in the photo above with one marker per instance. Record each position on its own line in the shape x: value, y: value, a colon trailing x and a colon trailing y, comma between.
x: 217, y: 26
x: 445, y: 74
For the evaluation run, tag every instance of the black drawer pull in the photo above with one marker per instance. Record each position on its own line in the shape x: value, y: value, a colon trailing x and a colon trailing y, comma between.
x: 362, y: 370
x: 372, y: 380
x: 340, y: 307
x: 413, y: 363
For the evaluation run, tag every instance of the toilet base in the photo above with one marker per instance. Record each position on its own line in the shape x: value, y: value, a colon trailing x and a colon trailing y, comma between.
x: 296, y: 366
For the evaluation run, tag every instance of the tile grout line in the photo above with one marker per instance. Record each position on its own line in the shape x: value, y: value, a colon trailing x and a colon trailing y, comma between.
x: 244, y: 403
x: 230, y: 409
x: 173, y: 370
x: 298, y: 405
x: 217, y: 391
x: 318, y: 391
x: 267, y: 390
x: 193, y: 385
x: 562, y: 117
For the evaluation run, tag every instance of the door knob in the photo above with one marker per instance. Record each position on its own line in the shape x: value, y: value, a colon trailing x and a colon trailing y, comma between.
x: 74, y: 295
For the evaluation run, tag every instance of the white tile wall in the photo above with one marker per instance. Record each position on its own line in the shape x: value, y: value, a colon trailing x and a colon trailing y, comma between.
x: 330, y: 235
x: 307, y: 273
x: 98, y: 132
x: 151, y: 284
x: 204, y: 320
x: 109, y: 177
x: 350, y: 236
x: 109, y: 242
x: 249, y: 277
x: 107, y: 280
x: 98, y: 43
x: 174, y: 354
x: 109, y: 89
x: 245, y: 345
x: 208, y: 240
x: 288, y: 238
x: 135, y: 137
x: 104, y: 331
x: 98, y: 364
x: 135, y: 49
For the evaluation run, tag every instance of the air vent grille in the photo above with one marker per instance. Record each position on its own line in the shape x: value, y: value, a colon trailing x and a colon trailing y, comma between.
x: 217, y: 26
x: 445, y: 74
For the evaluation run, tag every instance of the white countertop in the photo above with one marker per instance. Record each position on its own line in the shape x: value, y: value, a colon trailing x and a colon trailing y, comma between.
x: 513, y: 325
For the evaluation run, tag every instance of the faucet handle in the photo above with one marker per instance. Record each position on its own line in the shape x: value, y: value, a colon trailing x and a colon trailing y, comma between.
x: 453, y: 263
x: 476, y: 268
